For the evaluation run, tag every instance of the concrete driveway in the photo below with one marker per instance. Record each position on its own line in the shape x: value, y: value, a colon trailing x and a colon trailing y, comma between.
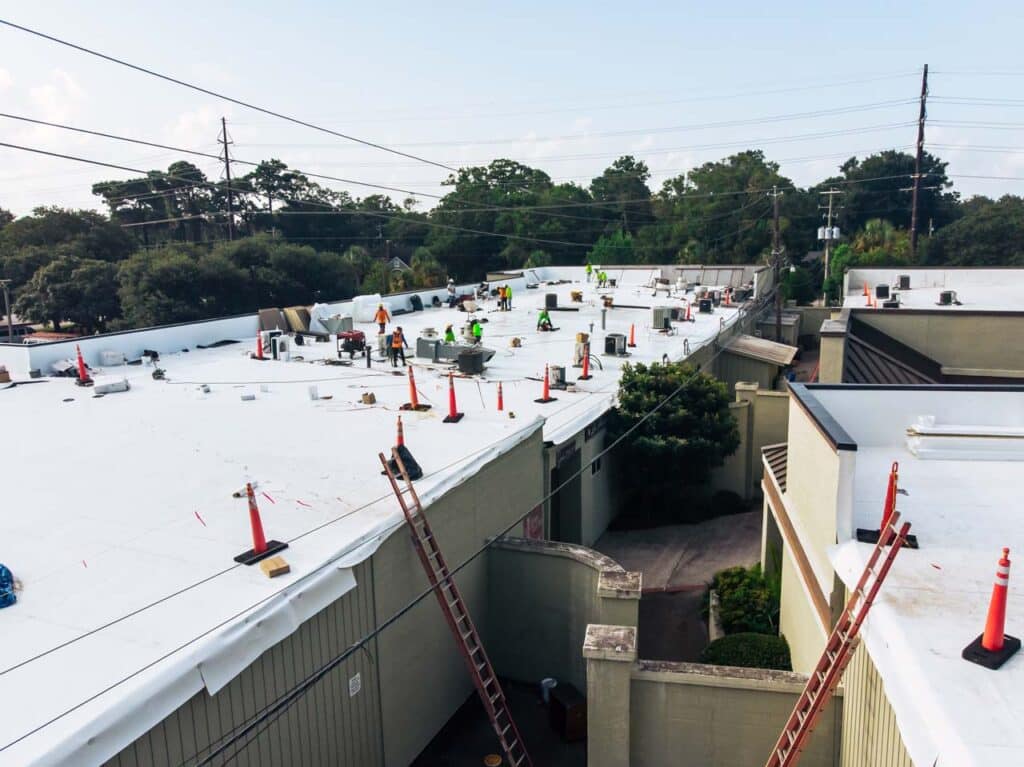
x: 677, y: 562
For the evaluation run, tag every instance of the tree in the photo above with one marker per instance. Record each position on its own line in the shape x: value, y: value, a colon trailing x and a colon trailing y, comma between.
x: 80, y: 291
x: 616, y: 248
x: 537, y: 259
x: 6, y: 217
x: 426, y: 269
x: 989, y: 234
x: 674, y: 448
x: 798, y: 285
x: 879, y: 187
x: 879, y: 244
x: 624, y: 186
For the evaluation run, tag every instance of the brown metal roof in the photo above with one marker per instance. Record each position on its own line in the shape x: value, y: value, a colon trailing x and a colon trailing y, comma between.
x: 762, y: 349
x: 866, y: 364
x: 777, y: 458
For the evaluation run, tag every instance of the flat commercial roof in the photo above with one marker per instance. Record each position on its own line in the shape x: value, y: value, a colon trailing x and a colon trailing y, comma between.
x: 976, y: 289
x: 963, y: 500
x: 120, y: 521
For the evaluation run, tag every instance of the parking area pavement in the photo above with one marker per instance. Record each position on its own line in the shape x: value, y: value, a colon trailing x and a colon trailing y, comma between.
x: 677, y: 562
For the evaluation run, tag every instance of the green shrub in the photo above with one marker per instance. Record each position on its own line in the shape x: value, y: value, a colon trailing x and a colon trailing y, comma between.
x: 747, y: 601
x: 749, y: 651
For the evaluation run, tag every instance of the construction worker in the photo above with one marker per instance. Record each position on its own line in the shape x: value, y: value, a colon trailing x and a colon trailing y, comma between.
x: 452, y: 300
x: 449, y: 334
x: 501, y: 298
x: 398, y: 346
x: 602, y: 279
x: 508, y: 297
x: 544, y: 321
x: 478, y: 331
x: 589, y: 270
x: 382, y: 318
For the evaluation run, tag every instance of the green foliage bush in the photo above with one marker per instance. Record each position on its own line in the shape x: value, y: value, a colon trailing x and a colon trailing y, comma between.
x: 749, y: 650
x: 747, y: 601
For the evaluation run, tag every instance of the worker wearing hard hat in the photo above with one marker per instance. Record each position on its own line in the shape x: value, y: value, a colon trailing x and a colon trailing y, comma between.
x: 382, y: 318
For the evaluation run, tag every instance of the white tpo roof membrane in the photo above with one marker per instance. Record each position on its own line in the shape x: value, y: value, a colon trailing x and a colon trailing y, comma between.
x: 120, y: 523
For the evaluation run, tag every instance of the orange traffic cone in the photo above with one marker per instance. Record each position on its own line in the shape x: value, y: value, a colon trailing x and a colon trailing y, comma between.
x: 632, y: 336
x: 890, y: 495
x: 501, y: 398
x: 83, y: 372
x: 545, y: 396
x: 261, y: 547
x: 688, y: 317
x: 994, y: 647
x: 259, y: 346
x: 586, y: 363
x: 866, y: 292
x: 414, y: 400
x: 454, y: 416
x: 400, y: 440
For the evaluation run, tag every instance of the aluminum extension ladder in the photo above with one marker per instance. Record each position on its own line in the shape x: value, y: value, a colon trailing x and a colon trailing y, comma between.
x: 839, y: 649
x: 457, y: 616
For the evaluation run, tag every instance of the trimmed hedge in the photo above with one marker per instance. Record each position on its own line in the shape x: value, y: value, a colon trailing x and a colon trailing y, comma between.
x: 749, y: 651
x: 747, y: 601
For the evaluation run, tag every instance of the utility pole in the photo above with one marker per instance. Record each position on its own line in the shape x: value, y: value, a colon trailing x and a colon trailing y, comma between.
x: 227, y: 173
x: 917, y: 164
x: 4, y: 284
x: 831, y: 193
x: 775, y: 194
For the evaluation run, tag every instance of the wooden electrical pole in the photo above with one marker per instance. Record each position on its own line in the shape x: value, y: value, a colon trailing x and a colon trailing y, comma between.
x: 831, y: 193
x: 775, y: 194
x: 5, y: 285
x: 227, y: 174
x: 917, y: 164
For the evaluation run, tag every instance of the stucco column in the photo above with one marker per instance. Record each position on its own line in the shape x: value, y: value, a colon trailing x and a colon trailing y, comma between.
x: 619, y: 595
x: 610, y: 652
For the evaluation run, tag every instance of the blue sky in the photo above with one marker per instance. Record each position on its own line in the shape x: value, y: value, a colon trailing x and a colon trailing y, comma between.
x: 542, y: 83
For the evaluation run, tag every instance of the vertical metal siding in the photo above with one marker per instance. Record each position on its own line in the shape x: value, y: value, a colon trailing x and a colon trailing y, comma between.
x: 325, y: 726
x: 871, y: 737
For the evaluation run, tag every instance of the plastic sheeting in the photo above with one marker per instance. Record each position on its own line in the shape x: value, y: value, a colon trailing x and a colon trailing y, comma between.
x: 364, y: 307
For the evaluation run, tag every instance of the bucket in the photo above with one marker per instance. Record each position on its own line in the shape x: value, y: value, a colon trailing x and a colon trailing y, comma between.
x: 546, y: 685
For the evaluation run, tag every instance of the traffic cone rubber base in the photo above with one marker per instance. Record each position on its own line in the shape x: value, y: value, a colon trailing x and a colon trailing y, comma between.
x: 411, y: 465
x: 975, y: 653
x: 584, y: 378
x: 418, y: 408
x: 453, y: 417
x: 871, y: 536
x: 545, y: 400
x: 85, y: 382
x: 250, y: 557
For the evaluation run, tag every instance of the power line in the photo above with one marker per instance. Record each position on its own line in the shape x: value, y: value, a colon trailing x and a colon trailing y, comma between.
x: 215, y: 94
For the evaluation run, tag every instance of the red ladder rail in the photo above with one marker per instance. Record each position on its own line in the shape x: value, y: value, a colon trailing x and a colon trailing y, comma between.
x: 824, y: 680
x: 457, y: 616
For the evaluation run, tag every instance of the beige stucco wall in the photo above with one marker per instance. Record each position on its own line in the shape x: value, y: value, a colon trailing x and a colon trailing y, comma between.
x: 830, y: 361
x: 715, y: 716
x: 798, y: 621
x: 871, y: 737
x: 957, y: 339
x: 731, y: 368
x: 762, y: 418
x: 813, y: 482
x: 541, y: 597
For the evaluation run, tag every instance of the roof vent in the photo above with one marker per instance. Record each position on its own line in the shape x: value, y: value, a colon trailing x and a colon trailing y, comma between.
x: 948, y: 298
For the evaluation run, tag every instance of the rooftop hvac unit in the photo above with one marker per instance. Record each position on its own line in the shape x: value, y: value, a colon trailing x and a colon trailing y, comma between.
x: 471, y: 361
x: 904, y: 281
x: 556, y: 377
x: 741, y: 294
x: 661, y: 317
x: 550, y: 300
x: 615, y: 344
x: 280, y: 348
x: 948, y: 298
x: 881, y: 291
x: 337, y: 323
x: 893, y: 304
x: 704, y: 306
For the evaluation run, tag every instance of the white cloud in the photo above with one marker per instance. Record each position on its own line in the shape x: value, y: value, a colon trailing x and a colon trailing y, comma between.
x: 6, y: 79
x: 197, y: 128
x: 59, y: 99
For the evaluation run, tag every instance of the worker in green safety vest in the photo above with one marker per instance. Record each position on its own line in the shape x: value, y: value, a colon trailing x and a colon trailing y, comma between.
x: 590, y: 270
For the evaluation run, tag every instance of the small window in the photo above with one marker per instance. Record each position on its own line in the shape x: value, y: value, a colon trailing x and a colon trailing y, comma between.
x: 595, y: 466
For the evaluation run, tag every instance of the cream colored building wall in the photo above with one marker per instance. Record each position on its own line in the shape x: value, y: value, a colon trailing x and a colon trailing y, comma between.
x: 955, y: 339
x: 798, y: 621
x: 690, y: 715
x: 813, y: 479
x: 871, y: 737
x: 830, y: 361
